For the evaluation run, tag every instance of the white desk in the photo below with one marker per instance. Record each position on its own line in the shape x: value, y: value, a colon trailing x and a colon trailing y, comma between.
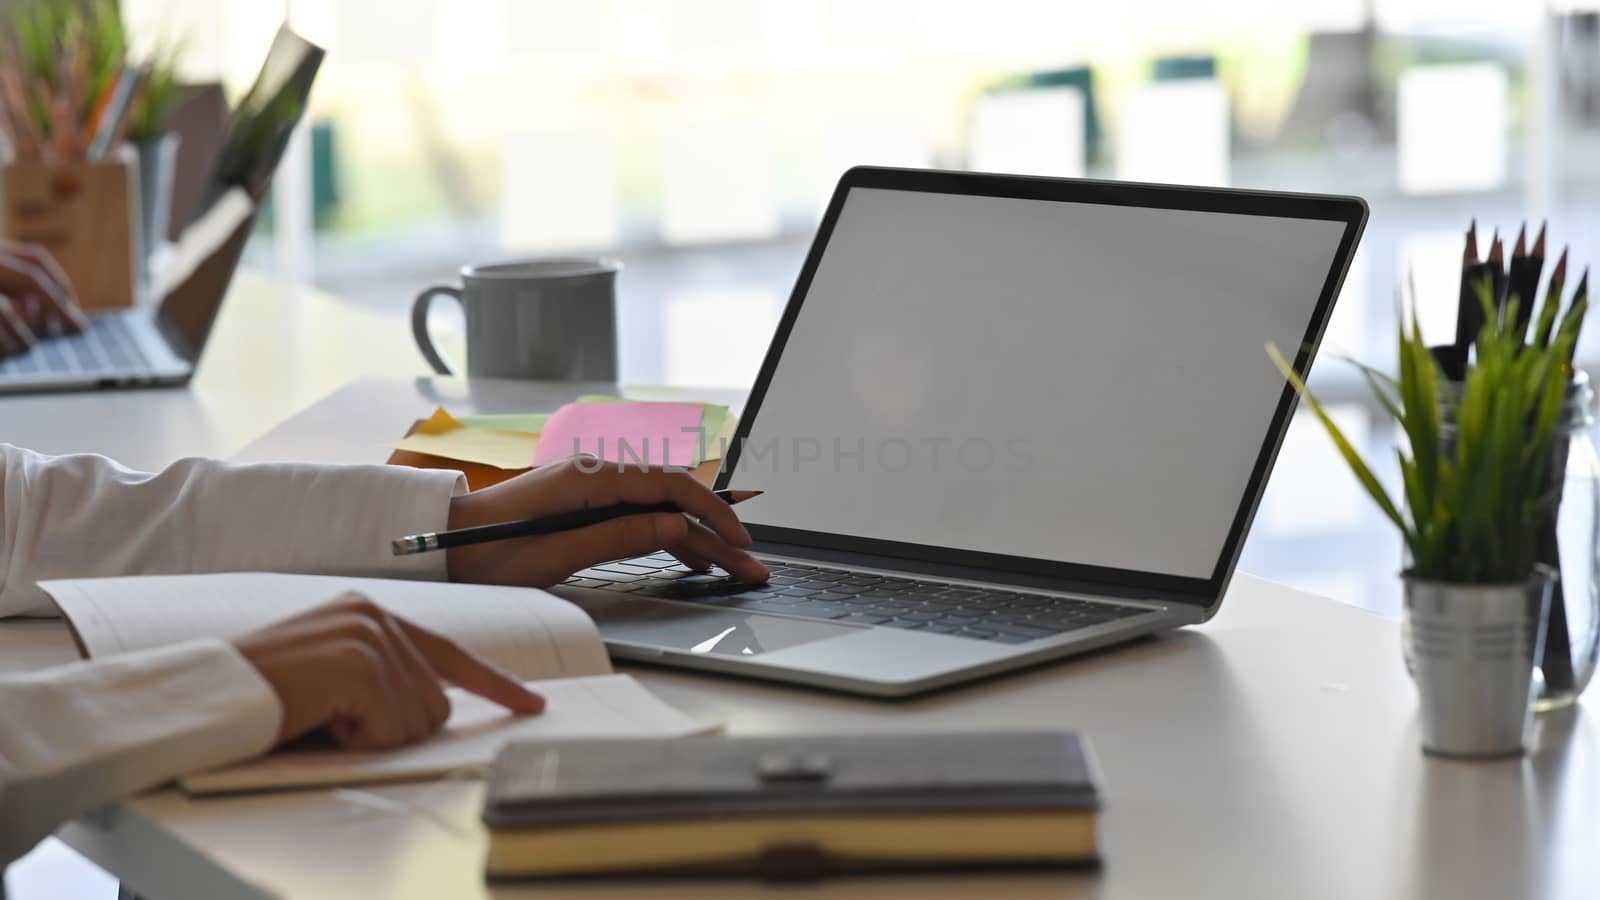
x: 1269, y: 753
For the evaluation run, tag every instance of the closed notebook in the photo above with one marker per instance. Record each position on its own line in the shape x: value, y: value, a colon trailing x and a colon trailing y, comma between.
x: 791, y: 807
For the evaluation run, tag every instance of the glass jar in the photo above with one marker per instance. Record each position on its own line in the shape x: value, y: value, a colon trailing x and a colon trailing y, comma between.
x: 1568, y: 542
x: 1569, y: 545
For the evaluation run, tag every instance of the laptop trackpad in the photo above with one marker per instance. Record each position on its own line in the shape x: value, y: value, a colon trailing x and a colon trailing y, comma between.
x: 717, y: 632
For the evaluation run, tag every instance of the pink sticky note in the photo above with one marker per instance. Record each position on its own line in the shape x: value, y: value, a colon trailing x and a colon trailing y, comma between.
x: 654, y: 434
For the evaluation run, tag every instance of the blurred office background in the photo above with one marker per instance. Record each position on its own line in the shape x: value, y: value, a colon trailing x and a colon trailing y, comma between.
x: 697, y: 140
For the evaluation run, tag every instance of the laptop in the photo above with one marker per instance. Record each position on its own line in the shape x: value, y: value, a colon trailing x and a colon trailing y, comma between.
x: 1003, y: 420
x: 142, y: 347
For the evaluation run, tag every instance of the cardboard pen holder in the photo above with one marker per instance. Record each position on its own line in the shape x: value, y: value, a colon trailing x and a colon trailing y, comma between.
x: 87, y: 215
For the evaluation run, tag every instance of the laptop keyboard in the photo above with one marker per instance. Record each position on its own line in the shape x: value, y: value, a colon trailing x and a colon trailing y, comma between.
x: 817, y: 592
x: 106, y: 345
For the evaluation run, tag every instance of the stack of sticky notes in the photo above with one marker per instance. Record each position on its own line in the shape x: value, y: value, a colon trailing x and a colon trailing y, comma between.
x: 504, y: 442
x: 493, y: 447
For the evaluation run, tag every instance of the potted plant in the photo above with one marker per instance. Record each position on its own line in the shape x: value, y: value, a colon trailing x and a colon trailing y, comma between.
x: 1476, y: 487
x: 158, y: 147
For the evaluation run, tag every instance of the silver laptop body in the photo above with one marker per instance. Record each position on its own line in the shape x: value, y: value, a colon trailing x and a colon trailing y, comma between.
x: 119, y: 349
x: 1115, y: 331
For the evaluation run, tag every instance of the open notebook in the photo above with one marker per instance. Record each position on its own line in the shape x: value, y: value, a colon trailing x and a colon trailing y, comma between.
x: 539, y: 638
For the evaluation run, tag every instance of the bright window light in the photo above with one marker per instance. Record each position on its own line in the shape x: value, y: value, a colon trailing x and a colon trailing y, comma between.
x: 719, y: 184
x: 1452, y: 128
x: 717, y: 337
x: 1312, y: 490
x: 1175, y: 132
x: 1432, y: 266
x: 1347, y: 330
x: 1030, y: 132
x: 870, y: 138
x: 559, y: 192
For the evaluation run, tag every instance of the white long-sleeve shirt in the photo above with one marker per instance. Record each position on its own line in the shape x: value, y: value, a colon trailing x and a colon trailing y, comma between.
x: 81, y: 735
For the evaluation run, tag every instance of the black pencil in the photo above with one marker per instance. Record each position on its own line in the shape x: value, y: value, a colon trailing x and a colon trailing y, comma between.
x: 567, y: 521
x: 1497, y: 276
x: 1526, y: 268
x: 1469, y: 311
x: 1552, y: 302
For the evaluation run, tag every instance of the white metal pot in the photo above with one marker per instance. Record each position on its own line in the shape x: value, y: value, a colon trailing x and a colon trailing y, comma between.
x: 1472, y: 649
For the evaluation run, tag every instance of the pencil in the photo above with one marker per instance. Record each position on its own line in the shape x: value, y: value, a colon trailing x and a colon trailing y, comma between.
x: 7, y: 133
x: 31, y: 138
x: 1552, y: 302
x: 567, y: 521
x: 1469, y: 313
x: 1497, y: 275
x: 1580, y: 308
x: 1526, y: 269
x: 112, y: 122
x: 1524, y: 282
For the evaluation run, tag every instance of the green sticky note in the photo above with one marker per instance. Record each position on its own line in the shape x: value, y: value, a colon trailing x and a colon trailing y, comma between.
x: 710, y: 427
x: 532, y: 423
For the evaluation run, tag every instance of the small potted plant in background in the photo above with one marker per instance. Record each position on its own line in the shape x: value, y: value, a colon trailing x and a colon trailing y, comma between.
x: 1476, y: 489
x: 70, y: 183
x: 158, y: 147
x: 78, y: 55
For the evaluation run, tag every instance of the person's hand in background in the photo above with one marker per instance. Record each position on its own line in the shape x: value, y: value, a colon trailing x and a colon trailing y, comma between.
x: 370, y: 678
x: 39, y: 292
x: 717, y: 538
x: 16, y: 338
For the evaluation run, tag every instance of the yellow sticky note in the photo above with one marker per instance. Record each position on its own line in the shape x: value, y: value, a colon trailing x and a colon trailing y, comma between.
x: 438, y: 423
x: 442, y: 435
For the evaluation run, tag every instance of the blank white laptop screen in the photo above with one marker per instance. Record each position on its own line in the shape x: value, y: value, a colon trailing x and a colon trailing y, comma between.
x: 1071, y: 382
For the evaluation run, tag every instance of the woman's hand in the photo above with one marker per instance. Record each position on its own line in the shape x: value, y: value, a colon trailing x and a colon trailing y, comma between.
x: 16, y: 338
x: 717, y: 538
x: 39, y: 292
x: 370, y: 678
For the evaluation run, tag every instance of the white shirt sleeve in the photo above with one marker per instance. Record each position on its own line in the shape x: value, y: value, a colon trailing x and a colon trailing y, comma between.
x: 76, y: 737
x: 85, y: 516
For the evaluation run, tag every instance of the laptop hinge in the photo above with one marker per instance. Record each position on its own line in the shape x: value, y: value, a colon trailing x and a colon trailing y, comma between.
x: 1197, y: 603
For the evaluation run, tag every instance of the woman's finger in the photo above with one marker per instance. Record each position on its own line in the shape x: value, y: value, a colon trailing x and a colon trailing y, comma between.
x: 421, y: 682
x: 690, y: 558
x: 470, y: 673
x: 708, y: 545
x: 49, y: 305
x: 16, y: 338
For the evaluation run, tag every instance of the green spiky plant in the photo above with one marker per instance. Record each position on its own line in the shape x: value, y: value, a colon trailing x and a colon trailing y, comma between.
x: 46, y: 31
x: 155, y: 101
x: 1472, y: 506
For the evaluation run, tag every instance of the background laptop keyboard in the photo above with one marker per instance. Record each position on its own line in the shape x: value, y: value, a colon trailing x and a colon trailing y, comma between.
x: 105, y: 346
x: 817, y: 592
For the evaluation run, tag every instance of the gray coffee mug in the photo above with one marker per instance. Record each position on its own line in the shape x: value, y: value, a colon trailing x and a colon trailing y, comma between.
x: 547, y: 319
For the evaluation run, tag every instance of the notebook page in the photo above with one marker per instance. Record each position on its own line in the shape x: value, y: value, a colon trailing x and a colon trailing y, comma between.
x: 527, y: 632
x: 603, y: 706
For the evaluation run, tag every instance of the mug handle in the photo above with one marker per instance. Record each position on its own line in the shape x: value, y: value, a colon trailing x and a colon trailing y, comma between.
x: 419, y: 326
